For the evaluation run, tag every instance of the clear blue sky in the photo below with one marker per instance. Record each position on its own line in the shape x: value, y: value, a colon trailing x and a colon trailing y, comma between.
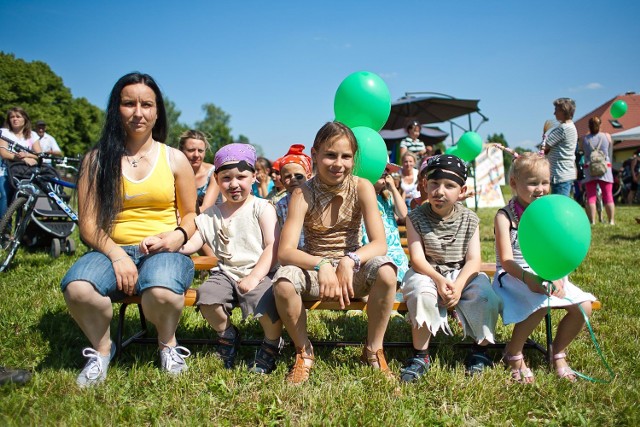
x: 275, y: 66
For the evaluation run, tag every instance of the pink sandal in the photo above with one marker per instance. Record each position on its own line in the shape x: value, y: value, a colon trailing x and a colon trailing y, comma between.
x: 522, y: 376
x: 565, y: 372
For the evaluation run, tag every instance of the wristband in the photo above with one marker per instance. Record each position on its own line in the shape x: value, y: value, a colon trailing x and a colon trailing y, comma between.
x: 356, y: 260
x: 322, y: 262
x: 184, y: 233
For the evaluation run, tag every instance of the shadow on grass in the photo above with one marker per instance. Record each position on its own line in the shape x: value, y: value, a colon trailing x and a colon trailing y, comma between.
x: 63, y: 338
x: 618, y: 237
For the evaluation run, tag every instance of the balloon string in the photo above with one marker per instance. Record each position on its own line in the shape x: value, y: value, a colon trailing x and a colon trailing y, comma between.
x: 591, y: 334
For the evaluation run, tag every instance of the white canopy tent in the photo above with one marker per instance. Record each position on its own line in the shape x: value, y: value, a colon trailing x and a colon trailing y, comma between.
x: 633, y: 133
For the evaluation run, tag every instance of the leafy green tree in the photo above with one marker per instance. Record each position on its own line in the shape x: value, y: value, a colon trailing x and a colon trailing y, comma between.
x: 74, y: 122
x: 216, y: 125
x: 173, y: 121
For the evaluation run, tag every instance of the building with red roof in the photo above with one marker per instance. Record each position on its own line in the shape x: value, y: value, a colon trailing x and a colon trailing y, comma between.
x: 622, y: 150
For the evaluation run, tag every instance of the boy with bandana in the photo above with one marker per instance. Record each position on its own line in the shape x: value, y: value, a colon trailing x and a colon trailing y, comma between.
x: 444, y: 246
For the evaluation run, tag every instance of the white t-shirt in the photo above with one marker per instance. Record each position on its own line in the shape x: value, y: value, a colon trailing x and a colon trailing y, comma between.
x: 48, y: 143
x: 28, y: 143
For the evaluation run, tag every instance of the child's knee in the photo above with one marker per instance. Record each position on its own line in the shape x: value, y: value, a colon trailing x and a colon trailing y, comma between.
x: 283, y: 288
x: 586, y: 307
x: 387, y: 276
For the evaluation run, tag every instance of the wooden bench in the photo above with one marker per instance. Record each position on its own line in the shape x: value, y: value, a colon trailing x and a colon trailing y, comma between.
x: 205, y: 263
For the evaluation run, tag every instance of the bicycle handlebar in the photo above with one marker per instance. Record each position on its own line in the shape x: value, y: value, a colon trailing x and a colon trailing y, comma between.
x: 15, y: 147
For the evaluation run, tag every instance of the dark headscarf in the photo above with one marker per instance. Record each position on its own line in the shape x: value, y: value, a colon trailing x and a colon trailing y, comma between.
x: 446, y: 166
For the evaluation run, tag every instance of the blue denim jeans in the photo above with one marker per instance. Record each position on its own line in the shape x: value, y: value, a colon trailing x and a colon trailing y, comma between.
x: 169, y: 270
x: 563, y: 188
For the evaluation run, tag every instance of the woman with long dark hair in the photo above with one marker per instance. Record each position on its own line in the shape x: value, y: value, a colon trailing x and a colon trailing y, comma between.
x: 131, y: 190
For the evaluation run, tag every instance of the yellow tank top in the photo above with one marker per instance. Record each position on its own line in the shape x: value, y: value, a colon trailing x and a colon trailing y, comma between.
x: 149, y: 205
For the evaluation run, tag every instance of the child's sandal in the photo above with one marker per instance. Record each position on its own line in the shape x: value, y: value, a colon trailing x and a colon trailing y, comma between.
x: 299, y: 372
x: 522, y: 376
x: 376, y: 360
x: 564, y: 372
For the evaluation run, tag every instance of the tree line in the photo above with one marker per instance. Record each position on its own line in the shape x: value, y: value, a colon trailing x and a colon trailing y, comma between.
x: 75, y: 122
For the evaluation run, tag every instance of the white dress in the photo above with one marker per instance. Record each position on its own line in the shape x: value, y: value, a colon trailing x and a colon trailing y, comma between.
x: 518, y: 301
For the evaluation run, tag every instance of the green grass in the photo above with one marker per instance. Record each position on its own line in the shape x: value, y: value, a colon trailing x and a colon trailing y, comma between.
x: 36, y: 332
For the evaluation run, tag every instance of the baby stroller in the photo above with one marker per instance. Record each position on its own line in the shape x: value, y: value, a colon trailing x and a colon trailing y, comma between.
x: 48, y: 225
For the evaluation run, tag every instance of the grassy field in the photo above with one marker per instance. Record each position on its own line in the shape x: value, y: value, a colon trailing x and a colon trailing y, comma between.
x: 36, y: 332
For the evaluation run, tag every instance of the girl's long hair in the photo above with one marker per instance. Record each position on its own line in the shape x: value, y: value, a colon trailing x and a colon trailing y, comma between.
x: 104, y: 167
x: 26, y: 130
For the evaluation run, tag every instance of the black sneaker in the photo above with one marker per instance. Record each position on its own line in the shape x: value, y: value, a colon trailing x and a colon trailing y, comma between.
x: 227, y: 349
x: 266, y: 357
x: 476, y: 363
x: 15, y: 376
x: 414, y: 368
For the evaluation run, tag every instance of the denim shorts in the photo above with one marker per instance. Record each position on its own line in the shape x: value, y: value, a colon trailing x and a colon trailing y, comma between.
x: 563, y: 188
x: 169, y: 270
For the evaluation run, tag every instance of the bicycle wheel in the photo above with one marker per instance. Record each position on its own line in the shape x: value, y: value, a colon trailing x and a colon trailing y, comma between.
x: 11, y: 231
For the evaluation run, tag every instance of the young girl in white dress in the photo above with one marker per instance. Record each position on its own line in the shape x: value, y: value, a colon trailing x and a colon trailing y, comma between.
x: 523, y: 292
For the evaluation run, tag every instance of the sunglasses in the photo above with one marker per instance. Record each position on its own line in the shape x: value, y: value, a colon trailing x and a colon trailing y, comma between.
x: 298, y: 176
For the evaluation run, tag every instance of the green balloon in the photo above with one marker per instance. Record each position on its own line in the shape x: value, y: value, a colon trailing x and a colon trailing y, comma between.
x: 371, y: 157
x: 469, y: 146
x: 362, y: 99
x: 453, y: 150
x: 554, y: 235
x: 618, y: 109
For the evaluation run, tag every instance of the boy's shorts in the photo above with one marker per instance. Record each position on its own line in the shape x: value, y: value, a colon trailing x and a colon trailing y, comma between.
x: 222, y: 289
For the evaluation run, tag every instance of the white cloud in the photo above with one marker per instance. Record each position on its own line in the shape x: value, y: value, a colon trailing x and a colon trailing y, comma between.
x: 588, y: 86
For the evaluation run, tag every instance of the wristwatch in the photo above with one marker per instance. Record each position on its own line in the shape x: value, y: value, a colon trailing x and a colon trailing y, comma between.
x: 356, y: 259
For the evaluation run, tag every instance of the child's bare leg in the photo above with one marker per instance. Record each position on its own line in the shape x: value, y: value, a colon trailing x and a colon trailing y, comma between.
x: 521, y: 332
x: 420, y: 337
x: 216, y: 316
x: 569, y: 327
x: 380, y: 303
x: 292, y: 312
x: 272, y: 331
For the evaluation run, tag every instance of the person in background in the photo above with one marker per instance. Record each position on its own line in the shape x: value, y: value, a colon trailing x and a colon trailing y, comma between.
x: 409, y: 177
x: 634, y: 169
x: 295, y: 170
x: 194, y: 145
x: 597, y: 140
x: 392, y: 209
x: 412, y: 142
x: 278, y: 191
x: 17, y: 128
x: 131, y: 190
x: 561, y: 147
x: 48, y: 144
x: 264, y: 184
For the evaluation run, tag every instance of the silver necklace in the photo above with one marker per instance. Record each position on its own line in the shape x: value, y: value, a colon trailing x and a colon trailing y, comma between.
x: 134, y: 162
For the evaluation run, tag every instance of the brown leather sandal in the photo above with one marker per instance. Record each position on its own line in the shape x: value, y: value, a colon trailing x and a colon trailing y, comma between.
x: 376, y: 360
x: 299, y: 372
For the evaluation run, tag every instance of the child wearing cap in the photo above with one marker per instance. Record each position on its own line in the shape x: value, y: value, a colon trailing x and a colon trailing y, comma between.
x: 444, y: 246
x: 243, y: 233
x: 295, y: 168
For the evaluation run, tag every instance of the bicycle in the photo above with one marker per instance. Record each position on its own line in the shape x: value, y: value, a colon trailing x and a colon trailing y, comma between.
x: 24, y: 212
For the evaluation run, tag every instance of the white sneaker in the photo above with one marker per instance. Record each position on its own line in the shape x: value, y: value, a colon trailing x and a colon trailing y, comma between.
x: 172, y: 359
x: 95, y: 371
